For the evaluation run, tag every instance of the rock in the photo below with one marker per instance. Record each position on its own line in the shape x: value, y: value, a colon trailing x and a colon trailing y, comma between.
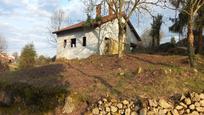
x: 202, y: 96
x: 137, y: 108
x: 69, y: 105
x: 139, y: 70
x: 133, y: 113
x: 120, y: 105
x: 175, y: 112
x: 108, y: 109
x: 164, y: 104
x: 187, y: 101
x: 113, y: 100
x: 143, y: 111
x: 195, y: 70
x: 151, y: 113
x: 122, y: 73
x: 181, y: 112
x: 105, y: 100
x: 100, y: 102
x: 153, y: 103
x: 192, y: 106
x: 194, y: 113
x: 200, y: 109
x: 182, y: 97
x: 114, y: 109
x: 102, y: 113
x: 122, y: 112
x: 162, y: 112
x: 196, y: 97
x: 169, y: 113
x: 127, y: 111
x: 202, y: 103
x: 125, y: 102
x: 95, y: 111
x: 197, y: 104
x: 188, y: 111
x: 184, y: 105
x: 178, y: 107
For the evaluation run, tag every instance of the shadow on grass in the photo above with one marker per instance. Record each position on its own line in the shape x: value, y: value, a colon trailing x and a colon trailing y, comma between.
x: 153, y: 63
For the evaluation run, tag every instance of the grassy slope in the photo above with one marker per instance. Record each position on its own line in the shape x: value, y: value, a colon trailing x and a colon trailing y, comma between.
x: 89, y: 79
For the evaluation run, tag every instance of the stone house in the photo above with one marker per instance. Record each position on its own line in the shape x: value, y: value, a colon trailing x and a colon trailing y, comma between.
x: 81, y: 41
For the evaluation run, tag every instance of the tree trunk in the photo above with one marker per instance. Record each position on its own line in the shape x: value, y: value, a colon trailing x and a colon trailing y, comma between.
x: 158, y: 42
x: 200, y: 40
x: 121, y: 42
x: 153, y: 42
x: 190, y: 37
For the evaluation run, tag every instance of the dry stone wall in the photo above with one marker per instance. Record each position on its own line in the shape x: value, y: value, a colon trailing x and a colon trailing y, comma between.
x: 188, y: 104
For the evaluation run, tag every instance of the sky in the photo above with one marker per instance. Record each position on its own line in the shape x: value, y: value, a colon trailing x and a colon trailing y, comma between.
x: 26, y: 21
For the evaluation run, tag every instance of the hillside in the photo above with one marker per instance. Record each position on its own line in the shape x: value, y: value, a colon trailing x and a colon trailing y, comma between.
x: 134, y: 75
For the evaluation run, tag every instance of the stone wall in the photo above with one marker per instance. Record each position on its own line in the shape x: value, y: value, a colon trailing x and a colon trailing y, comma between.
x: 188, y: 104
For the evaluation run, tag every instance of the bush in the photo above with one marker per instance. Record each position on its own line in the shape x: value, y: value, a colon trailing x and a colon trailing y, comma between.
x: 27, y: 58
x: 42, y: 60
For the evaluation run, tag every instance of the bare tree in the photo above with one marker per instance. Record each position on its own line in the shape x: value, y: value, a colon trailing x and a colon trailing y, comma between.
x: 119, y: 7
x: 3, y: 45
x: 89, y: 7
x: 56, y: 22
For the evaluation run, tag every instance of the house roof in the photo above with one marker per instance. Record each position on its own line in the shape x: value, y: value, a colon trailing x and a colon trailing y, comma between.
x: 104, y: 19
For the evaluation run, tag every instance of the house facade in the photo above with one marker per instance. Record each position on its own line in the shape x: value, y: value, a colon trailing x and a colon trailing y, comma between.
x: 79, y: 41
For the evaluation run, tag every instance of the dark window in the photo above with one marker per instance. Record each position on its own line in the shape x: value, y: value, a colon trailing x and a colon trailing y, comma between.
x: 84, y: 41
x: 65, y: 43
x: 73, y: 42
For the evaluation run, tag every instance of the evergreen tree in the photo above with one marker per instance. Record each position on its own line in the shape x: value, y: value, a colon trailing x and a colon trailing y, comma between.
x: 27, y: 58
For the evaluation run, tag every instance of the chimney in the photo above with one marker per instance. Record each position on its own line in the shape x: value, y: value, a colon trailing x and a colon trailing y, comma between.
x: 98, y: 10
x: 110, y: 7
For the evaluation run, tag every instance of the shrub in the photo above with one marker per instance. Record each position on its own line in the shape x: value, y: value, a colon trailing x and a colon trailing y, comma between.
x: 27, y: 58
x: 42, y: 60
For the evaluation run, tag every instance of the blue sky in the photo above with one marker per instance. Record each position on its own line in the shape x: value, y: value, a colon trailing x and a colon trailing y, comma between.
x: 26, y: 21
